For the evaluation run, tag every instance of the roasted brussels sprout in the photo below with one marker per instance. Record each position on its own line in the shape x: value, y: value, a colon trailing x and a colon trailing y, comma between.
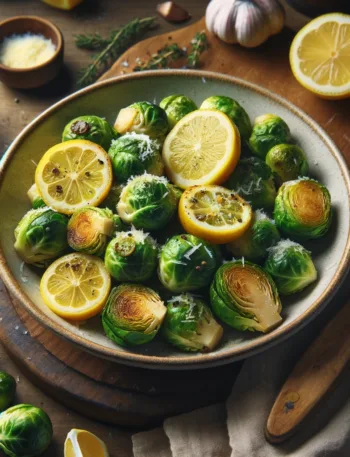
x: 245, y: 297
x: 89, y: 229
x: 7, y: 390
x: 303, y: 209
x: 268, y: 130
x: 41, y: 236
x: 143, y: 117
x: 187, y: 263
x: 148, y: 202
x: 253, y: 180
x: 133, y: 314
x: 287, y: 161
x: 261, y: 235
x: 131, y: 256
x: 190, y: 326
x: 25, y: 431
x: 134, y: 154
x: 291, y: 267
x: 176, y: 107
x: 35, y: 197
x: 233, y: 110
x: 92, y: 128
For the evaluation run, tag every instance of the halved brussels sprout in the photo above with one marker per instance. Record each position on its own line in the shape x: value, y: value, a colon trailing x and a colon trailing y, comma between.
x: 89, y: 229
x: 113, y: 196
x: 131, y: 256
x: 35, y: 198
x: 303, y: 209
x: 7, y: 390
x: 287, y: 161
x: 190, y: 326
x: 25, y: 431
x: 187, y: 263
x: 176, y: 107
x: 261, y: 235
x: 92, y: 128
x: 41, y: 236
x: 134, y: 154
x: 233, y: 110
x: 133, y: 314
x: 143, y: 117
x: 291, y: 267
x: 253, y: 181
x: 148, y: 202
x: 245, y: 297
x: 268, y: 130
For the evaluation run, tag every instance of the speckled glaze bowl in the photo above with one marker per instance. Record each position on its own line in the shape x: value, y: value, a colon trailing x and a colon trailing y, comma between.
x: 331, y: 253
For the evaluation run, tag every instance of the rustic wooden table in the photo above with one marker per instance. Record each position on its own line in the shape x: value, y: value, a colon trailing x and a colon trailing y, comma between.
x: 18, y: 108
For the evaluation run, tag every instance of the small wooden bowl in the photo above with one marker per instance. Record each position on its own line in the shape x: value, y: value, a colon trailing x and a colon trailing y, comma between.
x: 27, y: 78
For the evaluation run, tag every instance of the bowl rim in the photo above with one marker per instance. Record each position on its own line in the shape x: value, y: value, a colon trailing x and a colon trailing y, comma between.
x: 49, y: 24
x: 199, y: 360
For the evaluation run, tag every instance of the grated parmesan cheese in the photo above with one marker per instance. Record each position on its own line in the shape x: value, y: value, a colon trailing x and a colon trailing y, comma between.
x: 26, y: 51
x: 191, y: 251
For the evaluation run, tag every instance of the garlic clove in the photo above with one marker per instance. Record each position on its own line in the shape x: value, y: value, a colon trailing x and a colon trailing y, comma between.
x: 172, y: 12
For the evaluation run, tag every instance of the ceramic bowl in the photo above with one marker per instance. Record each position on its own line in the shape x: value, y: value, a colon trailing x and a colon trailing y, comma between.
x: 331, y: 253
x: 28, y: 78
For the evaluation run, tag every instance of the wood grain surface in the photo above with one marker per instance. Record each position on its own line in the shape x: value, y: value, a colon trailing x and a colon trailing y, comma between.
x: 312, y: 377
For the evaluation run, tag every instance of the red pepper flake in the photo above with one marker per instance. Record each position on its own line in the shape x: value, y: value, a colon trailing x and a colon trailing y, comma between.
x: 75, y: 267
x: 59, y: 189
x: 198, y: 268
x: 56, y: 171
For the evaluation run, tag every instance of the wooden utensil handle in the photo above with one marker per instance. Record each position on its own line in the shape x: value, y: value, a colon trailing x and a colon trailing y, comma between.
x: 311, y: 378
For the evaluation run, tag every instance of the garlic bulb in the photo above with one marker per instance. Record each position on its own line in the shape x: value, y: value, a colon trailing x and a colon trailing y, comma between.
x: 247, y: 22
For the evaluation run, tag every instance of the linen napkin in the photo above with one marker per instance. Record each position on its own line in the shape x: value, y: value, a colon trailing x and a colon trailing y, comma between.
x: 236, y: 429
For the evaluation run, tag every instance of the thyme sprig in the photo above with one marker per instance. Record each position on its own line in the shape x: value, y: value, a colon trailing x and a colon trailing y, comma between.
x: 199, y: 45
x: 120, y: 41
x: 162, y: 58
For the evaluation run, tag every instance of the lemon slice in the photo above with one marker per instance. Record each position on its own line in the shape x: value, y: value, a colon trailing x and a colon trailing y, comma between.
x: 76, y: 286
x: 81, y: 443
x: 63, y: 4
x: 320, y: 56
x: 74, y: 174
x: 214, y: 213
x: 202, y: 148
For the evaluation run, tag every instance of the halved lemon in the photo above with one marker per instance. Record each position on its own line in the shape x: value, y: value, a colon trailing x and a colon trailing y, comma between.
x: 76, y: 286
x: 214, y: 213
x: 320, y: 56
x: 81, y: 443
x: 63, y: 4
x: 203, y: 148
x: 74, y: 174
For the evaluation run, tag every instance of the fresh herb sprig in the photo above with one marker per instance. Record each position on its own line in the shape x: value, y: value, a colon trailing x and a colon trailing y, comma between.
x: 199, y: 45
x: 120, y: 41
x: 92, y: 42
x: 162, y: 58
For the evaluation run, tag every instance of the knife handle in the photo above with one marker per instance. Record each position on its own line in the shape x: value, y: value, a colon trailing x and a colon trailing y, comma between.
x: 311, y: 378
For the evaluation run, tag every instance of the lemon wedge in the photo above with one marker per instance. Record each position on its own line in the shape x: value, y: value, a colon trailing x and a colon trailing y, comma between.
x: 63, y: 4
x: 202, y: 148
x: 81, y: 443
x: 74, y: 174
x: 214, y: 213
x: 76, y: 286
x: 320, y: 56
